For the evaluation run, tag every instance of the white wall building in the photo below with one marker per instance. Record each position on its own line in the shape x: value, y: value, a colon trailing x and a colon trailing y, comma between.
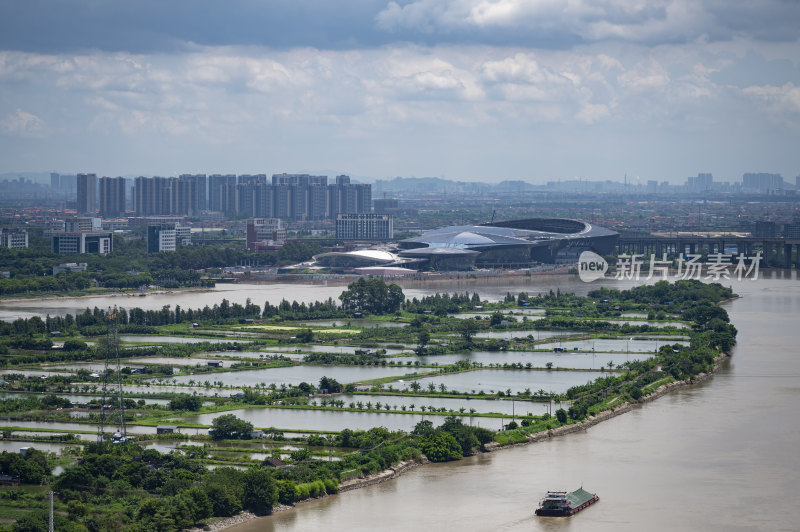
x: 14, y: 238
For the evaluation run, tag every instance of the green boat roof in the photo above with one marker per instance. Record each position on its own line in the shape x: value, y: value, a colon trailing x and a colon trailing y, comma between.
x: 578, y: 497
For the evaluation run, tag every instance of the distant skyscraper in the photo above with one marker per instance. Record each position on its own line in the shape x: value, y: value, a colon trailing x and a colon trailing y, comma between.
x: 200, y: 189
x: 68, y: 182
x: 87, y: 193
x: 147, y: 194
x: 55, y: 181
x: 166, y: 195
x: 289, y: 197
x: 762, y: 182
x: 182, y: 196
x: 216, y: 184
x: 701, y: 183
x: 252, y: 179
x: 112, y: 196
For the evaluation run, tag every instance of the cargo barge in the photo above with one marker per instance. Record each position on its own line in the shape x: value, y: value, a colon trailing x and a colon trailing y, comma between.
x: 562, y: 504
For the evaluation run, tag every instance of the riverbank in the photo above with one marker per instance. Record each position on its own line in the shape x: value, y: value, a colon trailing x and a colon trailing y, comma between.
x: 347, y: 485
x: 615, y: 411
x: 104, y: 293
x: 403, y: 467
x: 343, y: 279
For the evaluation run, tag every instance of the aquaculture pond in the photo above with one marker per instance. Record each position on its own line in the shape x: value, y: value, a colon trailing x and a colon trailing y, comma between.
x: 338, y: 349
x: 297, y: 374
x: 494, y: 380
x: 76, y: 398
x: 310, y: 419
x: 537, y: 359
x: 156, y: 340
x: 343, y: 322
x: 676, y: 324
x: 516, y: 333
x: 45, y: 447
x: 482, y: 406
x: 619, y: 345
x: 154, y: 388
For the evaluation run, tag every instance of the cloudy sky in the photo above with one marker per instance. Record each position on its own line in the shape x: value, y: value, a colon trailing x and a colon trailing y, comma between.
x: 466, y: 89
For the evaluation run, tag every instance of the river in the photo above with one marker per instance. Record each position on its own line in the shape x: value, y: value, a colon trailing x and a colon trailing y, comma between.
x: 721, y: 455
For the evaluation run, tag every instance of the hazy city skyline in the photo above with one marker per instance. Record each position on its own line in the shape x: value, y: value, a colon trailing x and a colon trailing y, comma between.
x: 462, y: 89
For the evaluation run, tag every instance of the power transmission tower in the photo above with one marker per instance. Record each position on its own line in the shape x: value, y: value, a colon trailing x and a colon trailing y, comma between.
x: 112, y: 410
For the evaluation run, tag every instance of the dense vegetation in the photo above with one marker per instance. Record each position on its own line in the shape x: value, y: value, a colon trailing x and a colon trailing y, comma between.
x: 130, y: 267
x: 125, y: 487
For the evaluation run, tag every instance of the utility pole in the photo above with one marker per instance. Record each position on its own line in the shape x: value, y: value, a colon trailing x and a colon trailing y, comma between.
x: 50, y: 526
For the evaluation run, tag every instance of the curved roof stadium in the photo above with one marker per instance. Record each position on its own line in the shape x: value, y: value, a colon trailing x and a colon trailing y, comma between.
x: 355, y: 259
x: 514, y: 243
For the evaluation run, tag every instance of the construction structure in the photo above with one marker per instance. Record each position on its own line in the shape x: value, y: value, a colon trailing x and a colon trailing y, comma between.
x: 112, y: 409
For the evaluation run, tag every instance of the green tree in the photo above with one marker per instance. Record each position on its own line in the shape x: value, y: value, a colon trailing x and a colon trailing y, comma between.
x: 33, y: 522
x: 305, y: 336
x: 229, y: 427
x: 260, y: 492
x: 467, y: 328
x: 561, y: 415
x: 373, y: 296
x: 331, y: 385
x: 497, y: 319
x: 441, y: 447
x: 422, y: 339
x: 192, y: 403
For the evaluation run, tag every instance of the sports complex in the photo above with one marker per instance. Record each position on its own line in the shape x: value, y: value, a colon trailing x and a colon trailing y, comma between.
x: 508, y: 244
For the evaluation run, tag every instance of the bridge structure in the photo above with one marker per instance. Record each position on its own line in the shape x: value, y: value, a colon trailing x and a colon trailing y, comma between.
x: 777, y: 251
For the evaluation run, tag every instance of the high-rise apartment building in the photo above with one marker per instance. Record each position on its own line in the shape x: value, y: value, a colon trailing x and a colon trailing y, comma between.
x: 200, y: 189
x: 762, y: 182
x: 112, y: 196
x: 87, y: 193
x: 217, y: 186
x: 166, y: 195
x: 288, y: 197
x: 700, y: 183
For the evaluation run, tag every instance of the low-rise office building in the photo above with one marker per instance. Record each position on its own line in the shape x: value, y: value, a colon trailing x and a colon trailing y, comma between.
x: 364, y: 226
x: 66, y: 243
x: 14, y: 238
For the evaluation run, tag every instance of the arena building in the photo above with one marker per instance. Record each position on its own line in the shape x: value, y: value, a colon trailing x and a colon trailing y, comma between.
x: 510, y: 244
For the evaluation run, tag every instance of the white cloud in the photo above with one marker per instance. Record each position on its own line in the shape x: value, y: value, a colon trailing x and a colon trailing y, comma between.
x: 648, y: 75
x: 23, y: 124
x: 590, y: 113
x: 246, y: 103
x: 780, y: 100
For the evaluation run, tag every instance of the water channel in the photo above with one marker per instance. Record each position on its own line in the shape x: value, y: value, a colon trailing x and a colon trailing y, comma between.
x: 718, y: 456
